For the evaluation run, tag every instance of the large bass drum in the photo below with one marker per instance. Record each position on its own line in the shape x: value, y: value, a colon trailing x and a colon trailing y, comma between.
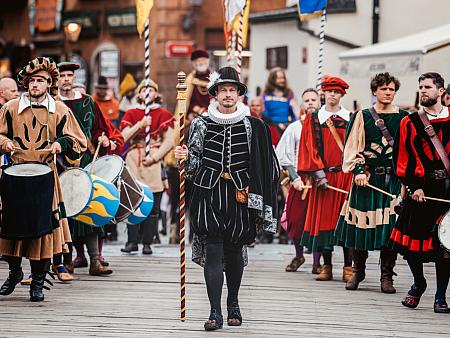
x: 112, y: 169
x: 444, y: 231
x: 27, y: 198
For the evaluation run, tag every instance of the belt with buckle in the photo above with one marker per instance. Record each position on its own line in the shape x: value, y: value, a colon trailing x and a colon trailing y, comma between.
x: 382, y: 170
x: 335, y: 169
x: 226, y: 176
x: 439, y: 174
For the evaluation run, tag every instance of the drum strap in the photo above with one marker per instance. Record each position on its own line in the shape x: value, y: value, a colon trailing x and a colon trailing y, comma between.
x: 435, y: 140
x: 379, y: 122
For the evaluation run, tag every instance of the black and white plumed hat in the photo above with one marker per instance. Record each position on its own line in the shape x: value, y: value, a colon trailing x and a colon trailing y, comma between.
x: 224, y: 76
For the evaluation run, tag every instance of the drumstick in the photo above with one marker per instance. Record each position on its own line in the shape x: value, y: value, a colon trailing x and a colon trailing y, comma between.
x: 337, y: 189
x: 44, y: 150
x: 285, y: 181
x: 380, y: 190
x: 96, y: 154
x: 436, y: 199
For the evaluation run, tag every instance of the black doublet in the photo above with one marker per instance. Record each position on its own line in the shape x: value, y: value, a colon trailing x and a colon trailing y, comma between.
x: 225, y: 149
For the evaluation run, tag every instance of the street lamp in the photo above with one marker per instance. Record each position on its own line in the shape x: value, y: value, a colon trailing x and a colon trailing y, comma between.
x: 72, y: 31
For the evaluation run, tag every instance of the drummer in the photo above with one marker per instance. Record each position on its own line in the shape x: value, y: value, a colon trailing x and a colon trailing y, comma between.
x: 94, y: 125
x: 147, y: 170
x: 419, y: 167
x: 29, y: 123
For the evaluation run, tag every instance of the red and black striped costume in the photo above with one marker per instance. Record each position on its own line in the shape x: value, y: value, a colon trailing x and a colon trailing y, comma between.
x: 418, y: 166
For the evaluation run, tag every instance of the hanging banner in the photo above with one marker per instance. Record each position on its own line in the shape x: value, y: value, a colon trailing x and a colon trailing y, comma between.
x: 45, y: 15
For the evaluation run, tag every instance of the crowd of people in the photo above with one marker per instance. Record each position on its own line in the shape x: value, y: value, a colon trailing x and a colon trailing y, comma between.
x: 311, y: 171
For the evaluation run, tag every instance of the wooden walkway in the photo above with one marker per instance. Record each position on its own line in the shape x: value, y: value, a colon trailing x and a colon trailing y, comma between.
x: 141, y: 300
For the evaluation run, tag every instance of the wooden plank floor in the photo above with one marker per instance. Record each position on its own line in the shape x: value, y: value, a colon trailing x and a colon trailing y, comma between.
x: 140, y: 299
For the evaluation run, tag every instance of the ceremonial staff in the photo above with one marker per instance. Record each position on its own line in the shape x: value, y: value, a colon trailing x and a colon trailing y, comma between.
x: 147, y: 83
x: 181, y: 101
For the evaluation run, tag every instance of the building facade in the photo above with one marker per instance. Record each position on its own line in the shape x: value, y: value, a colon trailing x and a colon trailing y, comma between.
x: 279, y: 39
x: 108, y: 43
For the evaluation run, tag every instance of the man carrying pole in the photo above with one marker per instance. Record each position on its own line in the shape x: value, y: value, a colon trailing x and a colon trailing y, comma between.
x: 235, y: 174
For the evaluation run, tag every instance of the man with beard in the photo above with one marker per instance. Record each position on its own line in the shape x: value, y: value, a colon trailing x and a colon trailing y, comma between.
x: 27, y: 126
x: 197, y: 82
x: 421, y: 153
x: 97, y: 129
x: 320, y: 158
x: 368, y: 217
x: 235, y: 174
x: 8, y: 90
x: 280, y: 106
x: 296, y: 201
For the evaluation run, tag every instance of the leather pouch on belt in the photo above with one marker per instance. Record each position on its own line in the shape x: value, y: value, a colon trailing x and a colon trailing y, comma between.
x: 242, y: 196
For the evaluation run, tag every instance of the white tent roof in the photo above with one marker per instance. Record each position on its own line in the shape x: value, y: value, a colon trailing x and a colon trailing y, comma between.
x: 420, y: 43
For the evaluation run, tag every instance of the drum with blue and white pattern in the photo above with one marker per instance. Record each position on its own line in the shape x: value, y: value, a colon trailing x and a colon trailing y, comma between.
x: 144, y: 209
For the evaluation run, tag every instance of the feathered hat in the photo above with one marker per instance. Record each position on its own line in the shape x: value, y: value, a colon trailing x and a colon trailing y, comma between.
x: 225, y: 75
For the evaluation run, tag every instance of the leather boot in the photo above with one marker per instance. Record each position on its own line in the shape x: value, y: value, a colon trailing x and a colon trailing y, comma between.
x: 326, y: 273
x: 130, y: 247
x: 347, y: 273
x: 147, y: 249
x: 388, y: 258
x: 10, y: 283
x: 359, y: 269
x: 97, y: 269
x: 36, y: 286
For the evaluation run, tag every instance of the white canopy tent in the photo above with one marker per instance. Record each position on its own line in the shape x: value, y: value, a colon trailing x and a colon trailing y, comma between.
x: 405, y: 58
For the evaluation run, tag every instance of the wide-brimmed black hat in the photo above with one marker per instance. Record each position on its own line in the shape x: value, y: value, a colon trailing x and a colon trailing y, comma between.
x: 102, y: 83
x: 68, y: 66
x: 225, y: 75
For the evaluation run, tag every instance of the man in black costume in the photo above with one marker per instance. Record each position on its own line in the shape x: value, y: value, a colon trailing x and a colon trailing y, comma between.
x: 235, y: 173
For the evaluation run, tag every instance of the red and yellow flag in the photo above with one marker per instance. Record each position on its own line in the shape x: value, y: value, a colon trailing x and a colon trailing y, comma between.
x: 232, y: 10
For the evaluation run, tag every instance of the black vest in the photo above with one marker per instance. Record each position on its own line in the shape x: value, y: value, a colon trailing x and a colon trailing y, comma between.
x: 225, y: 149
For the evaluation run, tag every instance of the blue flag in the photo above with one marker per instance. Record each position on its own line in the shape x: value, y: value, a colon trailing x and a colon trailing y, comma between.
x: 308, y: 9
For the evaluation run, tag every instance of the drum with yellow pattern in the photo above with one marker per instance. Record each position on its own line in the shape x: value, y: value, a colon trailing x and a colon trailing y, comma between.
x: 88, y: 198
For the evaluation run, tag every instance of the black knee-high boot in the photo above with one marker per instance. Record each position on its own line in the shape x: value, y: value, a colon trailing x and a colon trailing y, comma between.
x: 14, y: 277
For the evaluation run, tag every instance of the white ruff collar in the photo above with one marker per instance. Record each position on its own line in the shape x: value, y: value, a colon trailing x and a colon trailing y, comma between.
x: 220, y: 118
x: 324, y: 115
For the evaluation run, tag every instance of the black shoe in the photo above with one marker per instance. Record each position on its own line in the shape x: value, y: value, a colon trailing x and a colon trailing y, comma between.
x: 10, y: 283
x: 130, y: 247
x: 214, y: 322
x: 37, y: 285
x: 147, y: 249
x: 440, y: 306
x: 234, y: 313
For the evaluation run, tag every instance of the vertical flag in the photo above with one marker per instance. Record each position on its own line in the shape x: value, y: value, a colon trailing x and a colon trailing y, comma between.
x: 231, y: 10
x: 308, y: 9
x: 143, y: 8
x: 244, y: 23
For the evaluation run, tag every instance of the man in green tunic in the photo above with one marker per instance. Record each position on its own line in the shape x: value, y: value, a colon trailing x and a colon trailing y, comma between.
x: 97, y: 129
x: 368, y: 216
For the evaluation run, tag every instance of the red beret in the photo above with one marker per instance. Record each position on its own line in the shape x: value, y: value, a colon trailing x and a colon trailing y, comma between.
x: 334, y: 83
x: 199, y: 53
